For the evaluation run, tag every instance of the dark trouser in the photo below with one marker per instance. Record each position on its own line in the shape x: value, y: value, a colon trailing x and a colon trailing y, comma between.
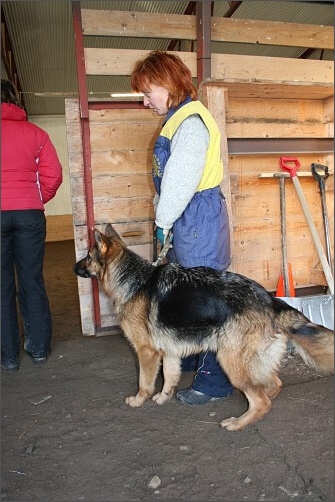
x: 209, y: 378
x: 23, y: 236
x: 202, y: 238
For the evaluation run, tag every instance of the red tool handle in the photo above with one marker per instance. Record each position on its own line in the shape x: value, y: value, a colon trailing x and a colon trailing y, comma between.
x: 291, y: 169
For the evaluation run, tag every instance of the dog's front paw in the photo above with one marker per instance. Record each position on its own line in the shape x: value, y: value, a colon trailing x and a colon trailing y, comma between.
x: 135, y: 401
x: 161, y: 397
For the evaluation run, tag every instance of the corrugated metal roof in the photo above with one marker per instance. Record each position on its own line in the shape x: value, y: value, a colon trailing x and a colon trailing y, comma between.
x: 43, y: 42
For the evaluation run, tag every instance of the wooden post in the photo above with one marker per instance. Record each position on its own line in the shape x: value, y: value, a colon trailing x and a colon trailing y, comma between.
x: 214, y: 98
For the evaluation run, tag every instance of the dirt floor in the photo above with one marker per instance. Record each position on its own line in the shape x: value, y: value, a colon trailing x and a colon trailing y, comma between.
x: 67, y: 434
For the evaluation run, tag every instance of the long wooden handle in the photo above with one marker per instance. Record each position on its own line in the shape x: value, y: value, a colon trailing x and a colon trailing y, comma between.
x: 315, y: 235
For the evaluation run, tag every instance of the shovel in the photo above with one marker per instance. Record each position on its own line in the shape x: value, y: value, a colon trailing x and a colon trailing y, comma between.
x: 321, y: 173
x: 291, y: 165
x: 285, y: 283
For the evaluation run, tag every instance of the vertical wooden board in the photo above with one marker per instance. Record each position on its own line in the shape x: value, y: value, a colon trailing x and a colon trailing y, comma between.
x: 84, y: 285
x: 328, y: 110
x: 86, y: 307
x: 214, y: 98
x: 122, y: 190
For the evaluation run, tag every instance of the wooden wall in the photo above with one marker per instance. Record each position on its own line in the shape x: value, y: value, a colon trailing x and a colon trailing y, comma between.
x: 286, y: 113
x: 253, y: 99
x: 121, y: 151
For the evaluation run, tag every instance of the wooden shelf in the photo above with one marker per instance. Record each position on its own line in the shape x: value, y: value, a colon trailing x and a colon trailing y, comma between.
x: 280, y: 90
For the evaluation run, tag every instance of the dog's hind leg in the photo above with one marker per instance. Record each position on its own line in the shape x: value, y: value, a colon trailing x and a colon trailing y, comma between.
x: 274, y: 387
x: 252, y: 370
x: 259, y: 406
x: 149, y: 361
x: 171, y: 373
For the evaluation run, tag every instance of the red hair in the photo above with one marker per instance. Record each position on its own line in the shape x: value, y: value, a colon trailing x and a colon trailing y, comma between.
x: 165, y: 70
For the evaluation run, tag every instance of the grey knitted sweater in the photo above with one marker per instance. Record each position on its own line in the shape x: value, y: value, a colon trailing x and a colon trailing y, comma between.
x: 183, y: 171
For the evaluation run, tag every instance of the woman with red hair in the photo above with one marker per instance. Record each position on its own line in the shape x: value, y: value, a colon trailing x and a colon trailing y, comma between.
x: 187, y: 172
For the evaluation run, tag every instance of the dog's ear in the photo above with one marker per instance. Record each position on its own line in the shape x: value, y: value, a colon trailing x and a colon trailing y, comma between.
x: 101, y: 241
x: 110, y: 232
x: 97, y: 236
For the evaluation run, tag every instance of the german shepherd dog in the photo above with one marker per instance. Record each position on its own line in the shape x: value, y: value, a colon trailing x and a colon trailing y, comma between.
x: 169, y: 312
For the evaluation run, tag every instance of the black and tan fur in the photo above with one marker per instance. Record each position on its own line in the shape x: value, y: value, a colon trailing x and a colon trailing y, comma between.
x: 169, y: 312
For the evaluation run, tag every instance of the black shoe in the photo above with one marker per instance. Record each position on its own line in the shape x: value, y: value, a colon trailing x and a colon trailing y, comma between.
x: 38, y: 359
x: 10, y: 367
x: 194, y: 397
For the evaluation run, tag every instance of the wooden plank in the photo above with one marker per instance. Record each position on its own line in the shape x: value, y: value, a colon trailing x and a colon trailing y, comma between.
x: 124, y: 186
x: 279, y: 130
x: 224, y: 66
x: 59, y: 228
x: 138, y: 24
x: 292, y: 147
x: 121, y: 62
x: 270, y: 110
x: 123, y: 136
x: 107, y: 209
x: 296, y: 90
x: 114, y: 161
x: 126, y: 230
x: 84, y: 285
x: 72, y: 111
x: 115, y: 115
x: 260, y: 68
x: 176, y: 26
x: 274, y: 33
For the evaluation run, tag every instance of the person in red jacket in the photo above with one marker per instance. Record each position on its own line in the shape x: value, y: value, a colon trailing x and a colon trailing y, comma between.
x: 30, y: 176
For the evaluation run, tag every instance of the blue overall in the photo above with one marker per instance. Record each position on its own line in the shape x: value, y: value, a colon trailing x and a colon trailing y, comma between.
x: 201, y: 237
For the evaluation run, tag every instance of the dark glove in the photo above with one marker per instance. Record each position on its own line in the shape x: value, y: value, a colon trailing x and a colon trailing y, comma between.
x: 162, y: 235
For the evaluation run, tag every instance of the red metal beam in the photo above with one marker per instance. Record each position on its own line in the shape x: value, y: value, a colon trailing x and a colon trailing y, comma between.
x: 307, y: 53
x: 203, y: 40
x: 116, y: 105
x: 233, y: 6
x: 86, y: 142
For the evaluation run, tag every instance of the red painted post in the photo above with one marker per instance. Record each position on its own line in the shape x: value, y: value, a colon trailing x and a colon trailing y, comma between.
x: 86, y: 142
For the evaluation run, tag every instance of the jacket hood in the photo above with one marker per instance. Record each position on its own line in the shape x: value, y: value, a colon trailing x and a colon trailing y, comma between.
x: 9, y: 111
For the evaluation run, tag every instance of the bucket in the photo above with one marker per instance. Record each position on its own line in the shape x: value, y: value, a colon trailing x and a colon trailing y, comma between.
x: 318, y: 309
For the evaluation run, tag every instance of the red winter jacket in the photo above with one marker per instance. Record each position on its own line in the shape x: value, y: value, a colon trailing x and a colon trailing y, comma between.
x: 30, y: 169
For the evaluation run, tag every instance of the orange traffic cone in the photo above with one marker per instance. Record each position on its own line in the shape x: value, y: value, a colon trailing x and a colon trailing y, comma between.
x: 280, y: 286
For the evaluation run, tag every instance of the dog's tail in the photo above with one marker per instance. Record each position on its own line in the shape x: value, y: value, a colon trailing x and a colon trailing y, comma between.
x: 314, y: 343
